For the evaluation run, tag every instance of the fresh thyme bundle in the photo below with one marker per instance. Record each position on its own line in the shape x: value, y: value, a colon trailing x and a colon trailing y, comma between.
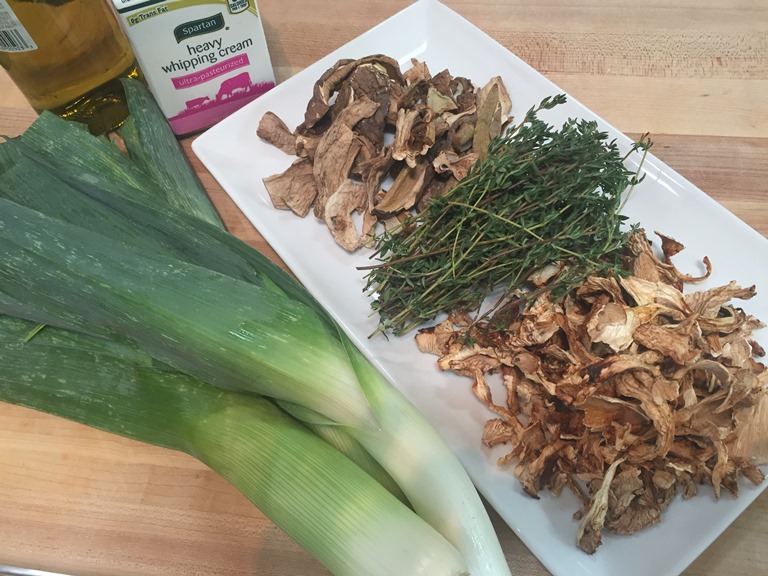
x: 541, y: 196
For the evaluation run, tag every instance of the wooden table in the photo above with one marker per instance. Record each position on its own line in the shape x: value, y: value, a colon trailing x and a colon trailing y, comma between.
x: 692, y: 72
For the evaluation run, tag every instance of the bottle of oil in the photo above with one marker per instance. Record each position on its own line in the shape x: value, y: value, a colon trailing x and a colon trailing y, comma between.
x: 67, y: 56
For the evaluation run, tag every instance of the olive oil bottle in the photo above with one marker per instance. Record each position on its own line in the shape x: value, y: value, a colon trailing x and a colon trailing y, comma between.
x: 67, y: 56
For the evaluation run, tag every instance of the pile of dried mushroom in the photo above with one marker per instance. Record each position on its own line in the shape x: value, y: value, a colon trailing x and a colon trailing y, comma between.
x: 626, y: 391
x: 379, y: 142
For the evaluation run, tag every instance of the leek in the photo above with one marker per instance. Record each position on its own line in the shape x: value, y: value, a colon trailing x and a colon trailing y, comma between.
x: 92, y: 159
x: 315, y: 494
x: 27, y: 180
x: 241, y: 336
x: 146, y: 175
x: 136, y: 264
x: 145, y: 222
x: 154, y: 148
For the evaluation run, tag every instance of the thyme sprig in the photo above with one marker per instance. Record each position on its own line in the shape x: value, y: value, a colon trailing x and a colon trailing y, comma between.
x: 540, y: 196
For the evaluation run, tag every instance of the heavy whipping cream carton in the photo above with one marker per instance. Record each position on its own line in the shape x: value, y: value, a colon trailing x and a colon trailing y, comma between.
x: 202, y: 59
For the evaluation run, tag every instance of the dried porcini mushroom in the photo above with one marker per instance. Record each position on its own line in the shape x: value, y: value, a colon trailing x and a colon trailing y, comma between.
x: 450, y: 161
x: 274, y: 131
x: 373, y: 82
x: 368, y: 125
x: 295, y: 189
x: 337, y: 150
x: 405, y: 190
x: 627, y: 391
x: 350, y: 197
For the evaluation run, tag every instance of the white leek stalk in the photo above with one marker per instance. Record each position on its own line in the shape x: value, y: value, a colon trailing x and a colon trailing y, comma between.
x: 330, y: 506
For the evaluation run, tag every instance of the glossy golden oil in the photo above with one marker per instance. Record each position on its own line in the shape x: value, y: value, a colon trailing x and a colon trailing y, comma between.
x: 81, y: 54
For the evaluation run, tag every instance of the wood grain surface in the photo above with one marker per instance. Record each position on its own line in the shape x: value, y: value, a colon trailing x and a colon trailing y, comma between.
x: 694, y: 73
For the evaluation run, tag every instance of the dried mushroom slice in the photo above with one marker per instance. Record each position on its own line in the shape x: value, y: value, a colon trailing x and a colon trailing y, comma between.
x: 441, y: 82
x: 373, y: 173
x: 589, y: 535
x: 337, y: 151
x: 406, y: 189
x: 306, y: 144
x: 294, y: 189
x: 344, y: 97
x: 332, y: 79
x: 323, y: 89
x: 464, y: 93
x: 634, y: 502
x: 461, y: 135
x: 275, y: 131
x: 613, y: 324
x: 349, y: 197
x: 459, y: 166
x: 440, y: 102
x: 418, y: 72
x: 709, y: 303
x: 414, y: 136
x: 372, y: 82
x: 438, y: 186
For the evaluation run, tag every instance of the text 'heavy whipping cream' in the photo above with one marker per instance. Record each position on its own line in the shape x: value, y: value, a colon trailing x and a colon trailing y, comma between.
x: 202, y: 59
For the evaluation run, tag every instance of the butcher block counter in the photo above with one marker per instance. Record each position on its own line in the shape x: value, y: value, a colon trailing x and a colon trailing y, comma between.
x: 693, y: 73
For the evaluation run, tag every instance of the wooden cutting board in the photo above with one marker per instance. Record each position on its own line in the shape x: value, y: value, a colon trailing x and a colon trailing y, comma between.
x: 692, y: 72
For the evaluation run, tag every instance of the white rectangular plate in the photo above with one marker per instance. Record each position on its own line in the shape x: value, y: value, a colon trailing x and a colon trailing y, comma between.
x: 666, y: 202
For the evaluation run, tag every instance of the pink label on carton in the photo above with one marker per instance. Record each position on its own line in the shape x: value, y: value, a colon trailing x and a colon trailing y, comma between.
x: 203, y: 111
x: 206, y: 74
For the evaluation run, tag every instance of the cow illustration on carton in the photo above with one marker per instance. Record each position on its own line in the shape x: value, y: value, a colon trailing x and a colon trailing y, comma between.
x: 235, y: 85
x: 197, y: 103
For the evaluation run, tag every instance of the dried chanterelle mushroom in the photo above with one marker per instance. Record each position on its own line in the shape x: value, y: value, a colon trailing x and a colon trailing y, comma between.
x: 626, y: 392
x: 378, y: 142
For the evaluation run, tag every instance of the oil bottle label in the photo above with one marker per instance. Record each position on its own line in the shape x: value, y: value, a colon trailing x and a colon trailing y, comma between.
x: 13, y: 36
